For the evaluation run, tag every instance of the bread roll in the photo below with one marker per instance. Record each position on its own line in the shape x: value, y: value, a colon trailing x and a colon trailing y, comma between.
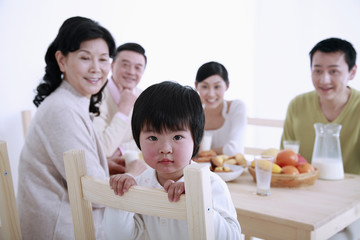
x: 209, y: 153
x: 226, y: 169
x: 202, y: 159
x: 240, y: 159
x: 218, y: 169
x: 231, y: 161
x: 217, y: 161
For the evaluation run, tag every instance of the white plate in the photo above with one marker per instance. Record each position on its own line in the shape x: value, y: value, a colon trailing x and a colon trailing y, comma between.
x: 229, y: 176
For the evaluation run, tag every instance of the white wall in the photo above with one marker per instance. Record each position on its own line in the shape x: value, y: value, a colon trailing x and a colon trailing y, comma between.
x: 264, y: 44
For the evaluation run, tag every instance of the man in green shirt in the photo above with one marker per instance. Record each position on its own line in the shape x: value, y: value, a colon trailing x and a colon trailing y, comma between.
x: 333, y: 65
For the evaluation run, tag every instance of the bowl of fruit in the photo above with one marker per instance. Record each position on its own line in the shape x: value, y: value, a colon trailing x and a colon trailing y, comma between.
x: 289, y: 169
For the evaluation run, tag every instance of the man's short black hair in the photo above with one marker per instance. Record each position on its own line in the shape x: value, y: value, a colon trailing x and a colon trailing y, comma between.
x: 131, y: 47
x: 336, y: 45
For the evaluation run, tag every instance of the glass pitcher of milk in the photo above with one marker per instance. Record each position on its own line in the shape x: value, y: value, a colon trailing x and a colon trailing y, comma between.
x: 327, y: 156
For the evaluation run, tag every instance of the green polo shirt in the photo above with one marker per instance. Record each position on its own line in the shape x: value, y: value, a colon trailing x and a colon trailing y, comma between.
x: 304, y: 110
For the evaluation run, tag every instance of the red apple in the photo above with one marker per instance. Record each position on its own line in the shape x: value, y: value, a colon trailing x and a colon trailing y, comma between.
x: 301, y: 159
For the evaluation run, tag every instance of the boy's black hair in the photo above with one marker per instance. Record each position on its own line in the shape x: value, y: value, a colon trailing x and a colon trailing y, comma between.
x: 169, y: 106
x: 331, y: 45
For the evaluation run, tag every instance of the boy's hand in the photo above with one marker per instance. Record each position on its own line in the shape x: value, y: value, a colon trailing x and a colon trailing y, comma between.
x: 174, y: 190
x: 121, y: 183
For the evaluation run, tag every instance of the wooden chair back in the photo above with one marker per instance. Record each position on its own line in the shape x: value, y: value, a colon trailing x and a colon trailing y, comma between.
x: 26, y: 119
x: 195, y: 206
x: 9, y: 218
x: 262, y: 122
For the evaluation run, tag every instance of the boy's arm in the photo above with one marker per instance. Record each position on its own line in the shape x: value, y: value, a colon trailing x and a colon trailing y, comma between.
x: 118, y: 224
x: 226, y: 225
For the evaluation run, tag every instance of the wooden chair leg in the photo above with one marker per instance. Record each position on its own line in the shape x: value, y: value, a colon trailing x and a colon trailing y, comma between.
x: 9, y: 224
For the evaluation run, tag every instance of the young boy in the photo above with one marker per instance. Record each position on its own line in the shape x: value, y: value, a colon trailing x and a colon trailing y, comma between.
x: 168, y: 125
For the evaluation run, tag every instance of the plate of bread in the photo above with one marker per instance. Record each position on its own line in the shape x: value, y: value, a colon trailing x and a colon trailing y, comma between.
x: 227, y: 167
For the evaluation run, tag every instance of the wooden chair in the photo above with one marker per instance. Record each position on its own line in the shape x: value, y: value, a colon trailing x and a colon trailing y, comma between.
x: 9, y: 218
x: 26, y: 119
x: 195, y: 206
x: 262, y: 122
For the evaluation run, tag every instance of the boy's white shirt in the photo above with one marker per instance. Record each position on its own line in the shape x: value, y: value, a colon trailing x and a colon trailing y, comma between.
x: 120, y: 224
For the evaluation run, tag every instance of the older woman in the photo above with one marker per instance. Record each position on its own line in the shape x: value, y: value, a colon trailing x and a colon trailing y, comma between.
x: 77, y: 66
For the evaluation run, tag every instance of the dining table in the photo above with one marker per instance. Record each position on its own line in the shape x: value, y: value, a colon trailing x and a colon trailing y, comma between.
x: 316, y: 211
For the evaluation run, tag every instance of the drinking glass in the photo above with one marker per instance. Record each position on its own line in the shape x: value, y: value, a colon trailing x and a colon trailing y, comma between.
x: 263, y: 171
x: 206, y: 143
x: 292, y: 145
x: 131, y: 152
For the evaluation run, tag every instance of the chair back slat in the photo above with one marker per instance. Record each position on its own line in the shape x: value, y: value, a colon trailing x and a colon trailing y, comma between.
x: 26, y: 119
x: 98, y: 191
x: 81, y: 209
x: 261, y: 122
x: 195, y: 206
x: 266, y: 122
x: 199, y: 202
